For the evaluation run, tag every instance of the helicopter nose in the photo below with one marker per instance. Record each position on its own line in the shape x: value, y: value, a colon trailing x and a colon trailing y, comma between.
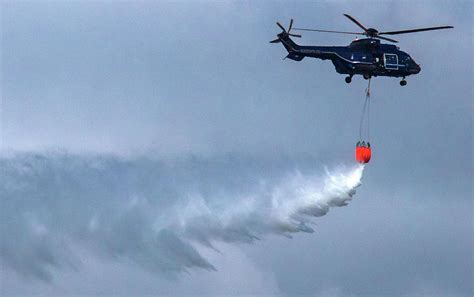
x: 415, y: 68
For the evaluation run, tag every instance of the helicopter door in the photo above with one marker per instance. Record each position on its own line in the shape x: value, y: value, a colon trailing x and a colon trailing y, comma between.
x: 391, y: 61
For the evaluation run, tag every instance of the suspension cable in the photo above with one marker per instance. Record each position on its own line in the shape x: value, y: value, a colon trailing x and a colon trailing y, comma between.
x: 362, y: 118
x: 365, y: 108
x: 368, y: 117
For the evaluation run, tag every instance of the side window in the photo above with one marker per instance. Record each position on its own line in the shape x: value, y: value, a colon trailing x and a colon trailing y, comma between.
x: 391, y: 61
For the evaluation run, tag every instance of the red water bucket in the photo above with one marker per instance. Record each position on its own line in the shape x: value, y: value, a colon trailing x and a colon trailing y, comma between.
x: 363, y: 154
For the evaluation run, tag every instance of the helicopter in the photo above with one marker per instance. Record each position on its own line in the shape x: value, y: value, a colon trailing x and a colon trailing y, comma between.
x: 367, y: 56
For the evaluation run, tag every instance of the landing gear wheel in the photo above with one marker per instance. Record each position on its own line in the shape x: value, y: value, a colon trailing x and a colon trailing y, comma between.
x: 403, y: 82
x: 348, y: 79
x: 366, y: 76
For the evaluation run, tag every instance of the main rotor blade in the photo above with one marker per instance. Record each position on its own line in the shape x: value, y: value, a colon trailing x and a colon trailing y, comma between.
x: 294, y: 35
x: 415, y: 30
x: 281, y: 27
x: 356, y: 22
x: 385, y: 38
x: 275, y: 41
x: 328, y: 31
x: 291, y: 25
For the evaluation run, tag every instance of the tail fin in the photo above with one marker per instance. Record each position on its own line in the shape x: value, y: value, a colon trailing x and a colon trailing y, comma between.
x: 289, y: 44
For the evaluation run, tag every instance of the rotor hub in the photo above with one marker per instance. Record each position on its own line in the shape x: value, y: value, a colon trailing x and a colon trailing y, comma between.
x: 371, y: 32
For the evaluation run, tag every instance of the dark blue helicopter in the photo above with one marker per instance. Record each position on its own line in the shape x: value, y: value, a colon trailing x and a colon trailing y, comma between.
x: 367, y: 57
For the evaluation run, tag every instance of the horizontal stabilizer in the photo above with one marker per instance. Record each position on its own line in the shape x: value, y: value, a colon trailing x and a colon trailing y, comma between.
x: 295, y: 57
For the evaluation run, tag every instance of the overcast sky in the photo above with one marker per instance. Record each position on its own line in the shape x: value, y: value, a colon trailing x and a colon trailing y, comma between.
x: 199, y: 79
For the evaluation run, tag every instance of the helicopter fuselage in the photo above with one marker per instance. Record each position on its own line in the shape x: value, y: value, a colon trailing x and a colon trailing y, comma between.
x: 367, y: 57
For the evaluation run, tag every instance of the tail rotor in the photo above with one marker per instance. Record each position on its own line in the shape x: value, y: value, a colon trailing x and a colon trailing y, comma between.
x: 284, y: 32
